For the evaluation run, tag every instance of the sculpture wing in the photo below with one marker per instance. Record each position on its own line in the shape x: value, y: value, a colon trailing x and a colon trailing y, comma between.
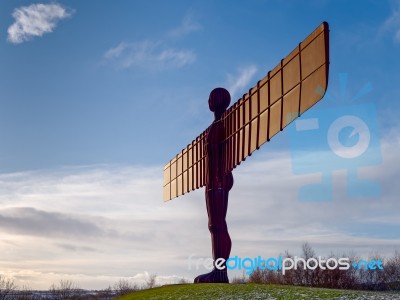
x: 292, y: 87
x: 187, y: 170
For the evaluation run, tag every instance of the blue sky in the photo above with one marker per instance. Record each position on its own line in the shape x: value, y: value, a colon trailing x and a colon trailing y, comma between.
x: 95, y: 97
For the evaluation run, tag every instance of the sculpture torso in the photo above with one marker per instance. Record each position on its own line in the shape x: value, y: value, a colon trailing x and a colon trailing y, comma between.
x: 216, y: 178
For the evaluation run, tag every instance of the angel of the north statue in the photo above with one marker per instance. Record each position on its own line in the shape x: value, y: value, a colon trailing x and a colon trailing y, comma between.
x: 292, y: 87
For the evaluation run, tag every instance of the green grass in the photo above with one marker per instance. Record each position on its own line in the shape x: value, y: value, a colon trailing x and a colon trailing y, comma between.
x: 251, y: 291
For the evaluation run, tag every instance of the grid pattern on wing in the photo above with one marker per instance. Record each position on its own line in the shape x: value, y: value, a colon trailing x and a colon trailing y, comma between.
x: 187, y: 170
x: 293, y: 86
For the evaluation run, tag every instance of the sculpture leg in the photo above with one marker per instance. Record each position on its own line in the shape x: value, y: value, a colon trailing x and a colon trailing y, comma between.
x: 217, y: 206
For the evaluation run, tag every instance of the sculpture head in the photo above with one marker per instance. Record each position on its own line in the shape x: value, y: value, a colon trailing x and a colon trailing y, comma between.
x: 219, y: 101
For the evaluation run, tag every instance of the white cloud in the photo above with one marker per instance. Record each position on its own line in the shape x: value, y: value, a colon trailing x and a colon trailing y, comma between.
x: 392, y: 23
x: 155, y: 54
x: 189, y: 25
x: 116, y: 51
x: 149, y: 55
x: 35, y: 20
x: 239, y: 81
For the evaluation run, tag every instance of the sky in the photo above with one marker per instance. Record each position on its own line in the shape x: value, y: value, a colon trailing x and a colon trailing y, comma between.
x: 97, y: 96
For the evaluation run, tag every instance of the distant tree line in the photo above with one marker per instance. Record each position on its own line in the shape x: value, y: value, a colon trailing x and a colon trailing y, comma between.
x: 353, y: 278
x: 67, y: 289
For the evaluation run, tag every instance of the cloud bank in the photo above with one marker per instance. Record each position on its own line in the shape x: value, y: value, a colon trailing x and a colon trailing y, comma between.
x: 94, y: 225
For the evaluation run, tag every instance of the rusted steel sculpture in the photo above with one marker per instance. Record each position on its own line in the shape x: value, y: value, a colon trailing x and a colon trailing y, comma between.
x: 292, y: 87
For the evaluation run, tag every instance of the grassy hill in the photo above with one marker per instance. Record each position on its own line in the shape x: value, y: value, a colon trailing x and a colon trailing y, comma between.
x: 252, y: 291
